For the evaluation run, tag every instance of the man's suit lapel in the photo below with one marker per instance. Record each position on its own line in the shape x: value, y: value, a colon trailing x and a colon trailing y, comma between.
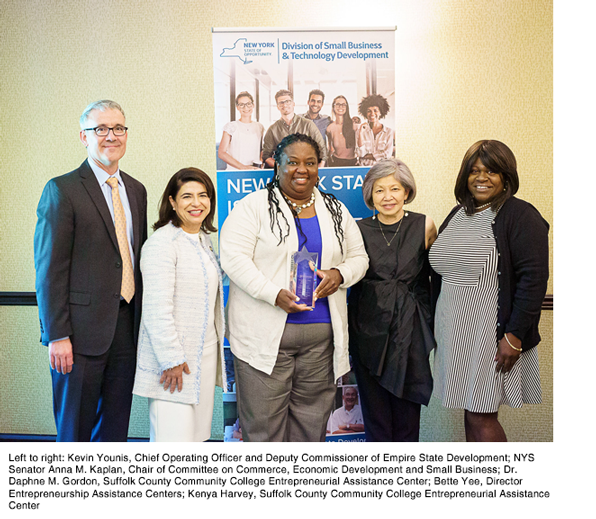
x: 134, y: 209
x: 92, y: 186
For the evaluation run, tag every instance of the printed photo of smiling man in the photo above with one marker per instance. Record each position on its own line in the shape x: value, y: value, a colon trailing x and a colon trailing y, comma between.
x: 348, y: 418
x: 288, y: 124
x: 316, y: 98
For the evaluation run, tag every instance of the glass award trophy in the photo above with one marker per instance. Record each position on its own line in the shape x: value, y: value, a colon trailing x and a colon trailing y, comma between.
x: 304, y: 276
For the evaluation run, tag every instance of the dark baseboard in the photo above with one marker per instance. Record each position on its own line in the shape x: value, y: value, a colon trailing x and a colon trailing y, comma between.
x: 52, y: 438
x: 44, y: 438
x: 548, y: 304
x: 18, y: 299
x: 29, y: 299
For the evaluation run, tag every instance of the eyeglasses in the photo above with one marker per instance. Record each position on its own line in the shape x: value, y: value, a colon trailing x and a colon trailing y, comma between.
x: 245, y: 105
x: 340, y: 105
x: 103, y: 131
x: 287, y: 101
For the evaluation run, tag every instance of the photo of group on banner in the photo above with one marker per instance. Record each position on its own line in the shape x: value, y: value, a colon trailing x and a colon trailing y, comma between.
x: 344, y: 140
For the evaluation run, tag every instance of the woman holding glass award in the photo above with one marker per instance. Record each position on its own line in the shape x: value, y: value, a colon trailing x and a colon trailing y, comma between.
x: 289, y: 349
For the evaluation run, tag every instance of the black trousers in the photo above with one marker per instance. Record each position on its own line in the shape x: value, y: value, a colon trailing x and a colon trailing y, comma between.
x: 387, y: 418
x: 93, y: 401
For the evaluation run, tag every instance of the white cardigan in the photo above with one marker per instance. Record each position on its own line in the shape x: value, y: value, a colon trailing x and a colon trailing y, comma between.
x: 175, y: 313
x: 259, y: 268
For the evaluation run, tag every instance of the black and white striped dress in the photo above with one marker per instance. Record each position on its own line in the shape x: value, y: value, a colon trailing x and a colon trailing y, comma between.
x: 465, y: 255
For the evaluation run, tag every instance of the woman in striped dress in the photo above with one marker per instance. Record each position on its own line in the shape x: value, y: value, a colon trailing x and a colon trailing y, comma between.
x: 490, y: 265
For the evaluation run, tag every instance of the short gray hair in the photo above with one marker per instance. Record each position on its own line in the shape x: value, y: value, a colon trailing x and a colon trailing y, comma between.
x: 384, y: 168
x: 346, y: 388
x: 102, y: 106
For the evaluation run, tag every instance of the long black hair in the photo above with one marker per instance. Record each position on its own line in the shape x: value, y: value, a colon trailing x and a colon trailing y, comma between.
x: 347, y: 127
x: 333, y: 205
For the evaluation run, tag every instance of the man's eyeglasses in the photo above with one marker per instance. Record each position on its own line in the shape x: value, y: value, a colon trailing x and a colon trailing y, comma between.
x: 103, y: 131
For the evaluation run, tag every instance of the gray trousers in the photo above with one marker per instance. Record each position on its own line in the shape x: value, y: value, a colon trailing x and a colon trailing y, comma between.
x: 294, y: 402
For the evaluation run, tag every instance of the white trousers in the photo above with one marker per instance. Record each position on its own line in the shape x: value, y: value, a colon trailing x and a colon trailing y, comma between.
x: 176, y: 422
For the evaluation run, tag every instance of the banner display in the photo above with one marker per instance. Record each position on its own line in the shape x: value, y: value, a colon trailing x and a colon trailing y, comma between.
x: 349, y: 66
x: 341, y: 81
x: 344, y: 183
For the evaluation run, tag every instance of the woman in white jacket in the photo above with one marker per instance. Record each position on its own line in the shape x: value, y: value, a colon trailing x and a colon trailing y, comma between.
x: 287, y: 356
x: 180, y: 350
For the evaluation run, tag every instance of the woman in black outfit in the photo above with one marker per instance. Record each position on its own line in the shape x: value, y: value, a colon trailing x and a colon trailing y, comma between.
x: 389, y: 310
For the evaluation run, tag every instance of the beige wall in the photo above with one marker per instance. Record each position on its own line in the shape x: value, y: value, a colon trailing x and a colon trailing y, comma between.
x: 465, y: 70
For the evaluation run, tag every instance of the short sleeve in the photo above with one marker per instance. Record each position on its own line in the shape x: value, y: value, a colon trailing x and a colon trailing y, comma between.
x: 230, y: 128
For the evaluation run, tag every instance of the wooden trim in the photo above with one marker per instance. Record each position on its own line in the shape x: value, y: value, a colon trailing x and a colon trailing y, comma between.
x: 548, y: 304
x: 52, y: 438
x: 29, y: 299
x: 18, y: 299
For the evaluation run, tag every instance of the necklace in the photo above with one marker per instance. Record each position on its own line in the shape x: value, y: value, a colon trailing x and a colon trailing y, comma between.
x: 396, y: 230
x: 298, y: 208
x: 483, y: 206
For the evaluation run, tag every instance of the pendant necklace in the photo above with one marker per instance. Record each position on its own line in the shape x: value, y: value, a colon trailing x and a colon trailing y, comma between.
x: 298, y: 208
x: 396, y: 230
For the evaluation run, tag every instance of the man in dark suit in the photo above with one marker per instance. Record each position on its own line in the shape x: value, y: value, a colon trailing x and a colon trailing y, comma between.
x: 91, y: 225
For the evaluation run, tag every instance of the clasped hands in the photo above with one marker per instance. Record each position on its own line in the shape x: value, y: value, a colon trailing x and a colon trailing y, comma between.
x: 330, y: 281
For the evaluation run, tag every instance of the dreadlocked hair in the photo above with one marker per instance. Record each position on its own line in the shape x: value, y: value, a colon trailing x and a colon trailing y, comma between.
x: 334, y: 207
x: 331, y: 202
x: 274, y: 208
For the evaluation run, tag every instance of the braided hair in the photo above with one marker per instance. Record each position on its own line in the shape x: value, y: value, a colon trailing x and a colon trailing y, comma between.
x: 331, y: 202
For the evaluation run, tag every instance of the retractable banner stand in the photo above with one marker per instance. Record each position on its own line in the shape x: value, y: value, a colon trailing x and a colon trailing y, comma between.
x: 343, y: 80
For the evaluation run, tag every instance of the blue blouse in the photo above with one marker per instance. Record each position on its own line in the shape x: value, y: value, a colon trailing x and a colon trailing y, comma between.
x: 312, y: 231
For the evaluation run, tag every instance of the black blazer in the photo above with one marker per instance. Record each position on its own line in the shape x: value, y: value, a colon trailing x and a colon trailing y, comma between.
x: 521, y: 236
x: 77, y: 260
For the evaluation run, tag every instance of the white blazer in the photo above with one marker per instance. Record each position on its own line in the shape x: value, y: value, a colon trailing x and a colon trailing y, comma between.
x: 175, y: 313
x: 259, y: 267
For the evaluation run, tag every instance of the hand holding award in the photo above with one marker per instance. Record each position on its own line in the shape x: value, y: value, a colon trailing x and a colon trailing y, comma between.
x: 304, y: 279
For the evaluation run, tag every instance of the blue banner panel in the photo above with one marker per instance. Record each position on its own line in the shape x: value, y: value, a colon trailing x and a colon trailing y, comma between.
x: 344, y: 183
